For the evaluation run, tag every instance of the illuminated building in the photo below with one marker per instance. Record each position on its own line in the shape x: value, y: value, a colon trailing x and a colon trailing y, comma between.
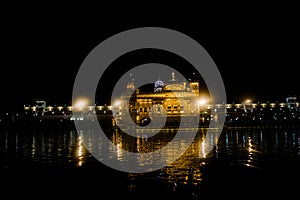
x: 172, y: 98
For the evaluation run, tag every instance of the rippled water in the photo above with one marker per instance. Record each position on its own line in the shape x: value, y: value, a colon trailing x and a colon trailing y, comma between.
x: 242, y: 159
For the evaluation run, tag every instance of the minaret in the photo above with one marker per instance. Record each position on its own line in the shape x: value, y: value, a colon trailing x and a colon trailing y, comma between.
x: 173, y: 77
x: 130, y: 85
x: 194, y: 84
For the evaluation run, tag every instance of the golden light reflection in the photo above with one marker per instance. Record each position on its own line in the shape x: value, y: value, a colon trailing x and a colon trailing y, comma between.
x: 33, y: 147
x: 118, y: 145
x: 202, y: 147
x: 250, y: 148
x: 138, y: 147
x: 250, y: 151
x: 80, y: 152
x: 119, y: 151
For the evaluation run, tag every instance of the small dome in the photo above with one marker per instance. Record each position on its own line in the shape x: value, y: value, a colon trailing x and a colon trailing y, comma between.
x: 159, y: 83
x: 158, y: 86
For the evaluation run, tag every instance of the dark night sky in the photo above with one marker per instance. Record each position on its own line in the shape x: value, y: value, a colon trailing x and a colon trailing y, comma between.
x: 257, y: 57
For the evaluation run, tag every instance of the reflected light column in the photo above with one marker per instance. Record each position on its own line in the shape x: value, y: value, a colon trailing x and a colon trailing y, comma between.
x: 80, y: 152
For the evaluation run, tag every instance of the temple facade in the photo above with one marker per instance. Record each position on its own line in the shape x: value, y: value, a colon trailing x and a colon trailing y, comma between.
x: 171, y: 97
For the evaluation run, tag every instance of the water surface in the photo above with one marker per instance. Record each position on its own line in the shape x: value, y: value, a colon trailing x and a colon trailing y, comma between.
x: 245, y: 160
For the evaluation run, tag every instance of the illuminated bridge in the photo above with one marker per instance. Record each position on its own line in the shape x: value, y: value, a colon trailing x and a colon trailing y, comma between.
x: 244, y: 113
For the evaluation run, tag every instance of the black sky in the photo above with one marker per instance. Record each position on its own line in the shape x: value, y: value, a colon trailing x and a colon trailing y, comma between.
x: 258, y: 57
